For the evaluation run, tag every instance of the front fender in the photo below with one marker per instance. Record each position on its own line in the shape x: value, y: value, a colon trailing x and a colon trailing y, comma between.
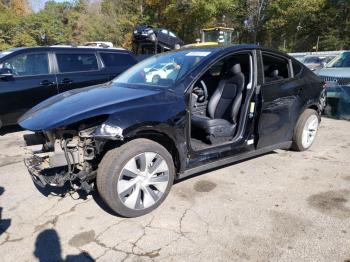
x: 168, y: 121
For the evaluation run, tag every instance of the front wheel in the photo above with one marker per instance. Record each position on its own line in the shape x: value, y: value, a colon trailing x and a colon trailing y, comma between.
x: 135, y: 178
x: 305, y: 130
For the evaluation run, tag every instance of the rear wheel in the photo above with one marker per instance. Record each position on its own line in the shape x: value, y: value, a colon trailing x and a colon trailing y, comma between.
x: 135, y: 178
x: 305, y: 130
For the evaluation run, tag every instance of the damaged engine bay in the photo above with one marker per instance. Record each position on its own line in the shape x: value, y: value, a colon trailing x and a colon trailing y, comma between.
x: 69, y: 155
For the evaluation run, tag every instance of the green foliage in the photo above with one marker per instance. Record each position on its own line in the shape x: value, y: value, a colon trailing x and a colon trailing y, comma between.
x: 289, y: 25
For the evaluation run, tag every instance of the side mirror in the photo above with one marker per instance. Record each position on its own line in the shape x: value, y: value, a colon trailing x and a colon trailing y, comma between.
x: 5, y: 73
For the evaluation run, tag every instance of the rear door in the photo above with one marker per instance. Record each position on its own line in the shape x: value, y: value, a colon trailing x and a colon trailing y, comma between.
x: 281, y: 99
x: 33, y: 81
x: 78, y: 68
x: 115, y: 63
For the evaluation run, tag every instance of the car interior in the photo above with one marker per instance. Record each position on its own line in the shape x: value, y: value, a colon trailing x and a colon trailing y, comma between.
x: 274, y: 68
x: 216, y: 101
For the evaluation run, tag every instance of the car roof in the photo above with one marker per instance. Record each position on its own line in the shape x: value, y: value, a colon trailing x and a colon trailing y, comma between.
x: 308, y: 56
x: 234, y: 47
x: 221, y: 47
x: 66, y: 47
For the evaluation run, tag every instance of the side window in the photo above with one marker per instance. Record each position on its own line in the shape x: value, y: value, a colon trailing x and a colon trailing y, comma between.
x: 164, y: 31
x: 297, y: 68
x: 28, y: 64
x: 76, y: 62
x: 117, y: 59
x: 172, y: 34
x: 222, y: 70
x: 170, y: 67
x: 216, y: 69
x: 275, y: 68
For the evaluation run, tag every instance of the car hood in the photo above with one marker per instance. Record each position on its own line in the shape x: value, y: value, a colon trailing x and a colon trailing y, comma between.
x: 335, y: 72
x: 79, y: 104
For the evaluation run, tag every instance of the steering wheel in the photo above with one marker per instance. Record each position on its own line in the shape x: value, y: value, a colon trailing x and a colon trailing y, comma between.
x: 201, y: 91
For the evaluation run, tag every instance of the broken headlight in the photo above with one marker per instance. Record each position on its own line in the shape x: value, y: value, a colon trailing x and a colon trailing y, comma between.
x: 103, y: 131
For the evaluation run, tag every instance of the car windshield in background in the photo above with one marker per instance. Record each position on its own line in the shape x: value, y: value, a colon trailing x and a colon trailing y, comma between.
x: 343, y: 60
x: 5, y: 53
x: 162, y: 70
x: 311, y: 59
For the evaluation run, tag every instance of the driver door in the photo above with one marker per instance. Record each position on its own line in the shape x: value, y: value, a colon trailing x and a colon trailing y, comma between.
x: 201, y: 154
x: 31, y: 82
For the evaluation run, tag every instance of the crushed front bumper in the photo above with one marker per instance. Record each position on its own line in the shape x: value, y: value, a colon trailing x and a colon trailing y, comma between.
x: 42, y: 174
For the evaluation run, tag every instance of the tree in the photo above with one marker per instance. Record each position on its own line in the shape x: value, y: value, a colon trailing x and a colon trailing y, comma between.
x: 290, y: 25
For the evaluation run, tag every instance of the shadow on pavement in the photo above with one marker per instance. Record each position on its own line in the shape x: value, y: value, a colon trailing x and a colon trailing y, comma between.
x: 10, y: 129
x: 4, y: 223
x: 48, y: 249
x: 99, y: 201
x: 66, y: 190
x: 220, y: 167
x: 60, y: 191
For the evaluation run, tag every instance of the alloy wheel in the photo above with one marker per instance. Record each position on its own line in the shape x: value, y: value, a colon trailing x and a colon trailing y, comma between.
x: 309, y: 131
x: 143, y: 181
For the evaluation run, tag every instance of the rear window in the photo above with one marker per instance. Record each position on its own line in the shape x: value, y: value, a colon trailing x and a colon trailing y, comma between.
x: 76, y: 62
x: 117, y: 59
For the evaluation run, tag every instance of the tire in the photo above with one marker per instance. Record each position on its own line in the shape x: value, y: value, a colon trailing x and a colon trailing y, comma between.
x: 125, y: 187
x: 305, y: 130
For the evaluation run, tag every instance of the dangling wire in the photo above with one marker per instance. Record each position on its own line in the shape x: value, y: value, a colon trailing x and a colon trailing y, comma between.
x: 71, y: 166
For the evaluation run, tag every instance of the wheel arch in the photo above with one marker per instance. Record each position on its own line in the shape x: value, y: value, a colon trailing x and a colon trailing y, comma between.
x: 313, y: 106
x: 157, y: 136
x: 163, y: 139
x: 316, y: 107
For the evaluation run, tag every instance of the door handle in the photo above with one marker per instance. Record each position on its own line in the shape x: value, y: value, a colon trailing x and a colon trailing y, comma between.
x: 46, y: 83
x: 66, y: 81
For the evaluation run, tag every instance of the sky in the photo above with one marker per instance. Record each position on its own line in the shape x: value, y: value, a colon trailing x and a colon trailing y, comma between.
x: 39, y: 4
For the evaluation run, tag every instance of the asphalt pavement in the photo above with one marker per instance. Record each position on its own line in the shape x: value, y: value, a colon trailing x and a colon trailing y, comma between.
x: 282, y: 206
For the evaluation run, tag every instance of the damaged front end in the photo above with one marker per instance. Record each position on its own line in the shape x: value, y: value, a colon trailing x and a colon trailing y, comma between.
x: 69, y: 155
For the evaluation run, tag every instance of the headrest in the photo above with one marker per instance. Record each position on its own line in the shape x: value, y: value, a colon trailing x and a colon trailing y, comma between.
x: 274, y: 73
x: 236, y: 68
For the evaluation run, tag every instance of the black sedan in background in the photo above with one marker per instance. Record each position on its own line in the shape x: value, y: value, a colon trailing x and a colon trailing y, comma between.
x: 31, y: 75
x: 159, y: 35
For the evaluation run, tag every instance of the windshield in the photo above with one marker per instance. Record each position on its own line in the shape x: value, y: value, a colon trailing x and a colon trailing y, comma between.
x: 343, y: 60
x: 300, y: 58
x: 311, y: 59
x: 162, y: 70
x: 222, y: 37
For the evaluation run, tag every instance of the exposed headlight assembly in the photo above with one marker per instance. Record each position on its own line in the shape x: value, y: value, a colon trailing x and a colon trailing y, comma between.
x: 108, y: 130
x: 104, y: 131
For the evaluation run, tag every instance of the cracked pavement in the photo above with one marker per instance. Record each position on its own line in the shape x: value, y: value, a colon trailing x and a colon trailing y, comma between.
x: 283, y: 206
